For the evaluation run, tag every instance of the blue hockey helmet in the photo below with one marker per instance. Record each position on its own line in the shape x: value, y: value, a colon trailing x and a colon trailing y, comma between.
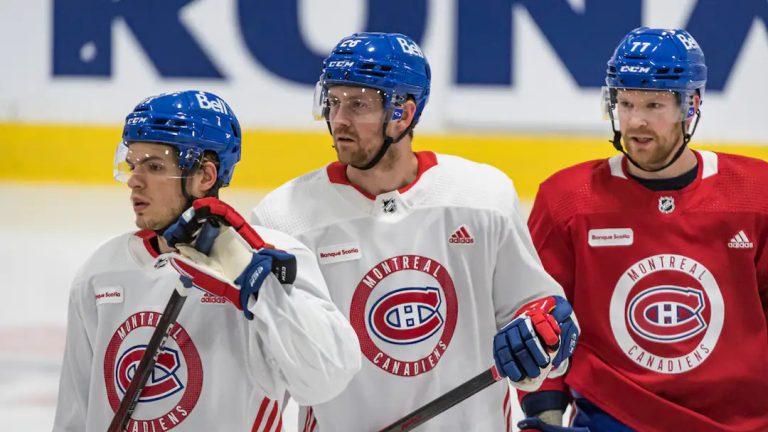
x: 389, y: 62
x: 658, y: 59
x: 191, y: 121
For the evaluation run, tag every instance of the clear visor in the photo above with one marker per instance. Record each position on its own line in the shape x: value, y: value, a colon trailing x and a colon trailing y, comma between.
x: 358, y: 105
x: 636, y: 106
x: 146, y: 160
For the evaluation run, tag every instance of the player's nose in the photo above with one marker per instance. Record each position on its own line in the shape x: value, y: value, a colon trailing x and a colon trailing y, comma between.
x: 341, y: 117
x: 135, y: 181
x: 637, y: 121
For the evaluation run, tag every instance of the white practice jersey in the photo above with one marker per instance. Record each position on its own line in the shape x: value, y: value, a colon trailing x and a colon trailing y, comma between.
x: 426, y: 276
x: 218, y: 370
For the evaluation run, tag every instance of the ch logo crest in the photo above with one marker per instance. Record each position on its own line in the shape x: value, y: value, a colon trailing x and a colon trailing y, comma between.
x: 174, y: 385
x: 405, y: 300
x: 666, y: 313
x: 407, y: 315
x: 163, y: 381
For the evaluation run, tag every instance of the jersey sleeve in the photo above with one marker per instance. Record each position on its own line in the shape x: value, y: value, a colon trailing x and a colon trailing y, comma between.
x: 518, y: 277
x: 554, y: 249
x: 552, y: 244
x: 72, y: 404
x: 306, y: 341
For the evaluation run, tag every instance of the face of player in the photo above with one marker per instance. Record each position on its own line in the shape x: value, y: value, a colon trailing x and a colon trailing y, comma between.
x: 356, y: 116
x: 155, y: 189
x: 650, y: 123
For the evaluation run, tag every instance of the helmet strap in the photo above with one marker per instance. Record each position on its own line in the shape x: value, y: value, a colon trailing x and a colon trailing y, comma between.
x: 388, y: 141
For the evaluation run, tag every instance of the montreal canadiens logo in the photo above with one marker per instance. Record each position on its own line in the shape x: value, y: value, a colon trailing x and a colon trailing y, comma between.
x: 667, y: 313
x: 162, y: 382
x: 175, y: 383
x: 404, y: 312
x: 407, y: 316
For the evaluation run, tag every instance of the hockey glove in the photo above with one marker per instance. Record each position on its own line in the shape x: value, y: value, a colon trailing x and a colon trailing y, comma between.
x: 542, y: 336
x: 188, y: 225
x: 233, y: 270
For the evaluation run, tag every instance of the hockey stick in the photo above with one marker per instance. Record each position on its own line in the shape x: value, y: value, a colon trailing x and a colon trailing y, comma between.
x: 446, y: 401
x: 156, y: 343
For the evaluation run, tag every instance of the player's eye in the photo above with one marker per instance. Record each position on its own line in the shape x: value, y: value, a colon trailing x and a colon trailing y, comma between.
x: 154, y: 166
x: 360, y: 105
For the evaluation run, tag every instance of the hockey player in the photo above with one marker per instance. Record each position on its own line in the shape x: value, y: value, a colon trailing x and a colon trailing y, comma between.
x: 663, y: 251
x: 426, y: 254
x: 219, y: 370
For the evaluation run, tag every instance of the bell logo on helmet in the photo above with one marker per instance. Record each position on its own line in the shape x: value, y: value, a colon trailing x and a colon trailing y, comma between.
x: 215, y: 105
x: 410, y: 48
x: 341, y: 63
x: 688, y: 42
x: 635, y: 69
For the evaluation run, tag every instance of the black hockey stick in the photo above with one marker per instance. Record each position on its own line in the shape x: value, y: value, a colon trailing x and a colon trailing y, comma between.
x: 156, y: 343
x: 446, y: 401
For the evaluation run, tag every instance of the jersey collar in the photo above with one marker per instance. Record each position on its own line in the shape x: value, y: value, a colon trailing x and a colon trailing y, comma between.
x: 337, y: 173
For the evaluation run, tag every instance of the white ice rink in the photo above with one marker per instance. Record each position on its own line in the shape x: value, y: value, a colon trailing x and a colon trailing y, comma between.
x: 46, y: 233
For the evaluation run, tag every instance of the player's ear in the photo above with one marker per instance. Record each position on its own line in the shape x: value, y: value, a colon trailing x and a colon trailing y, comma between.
x: 204, y: 179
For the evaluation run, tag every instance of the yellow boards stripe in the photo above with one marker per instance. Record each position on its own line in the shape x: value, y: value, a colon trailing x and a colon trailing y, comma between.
x: 84, y: 154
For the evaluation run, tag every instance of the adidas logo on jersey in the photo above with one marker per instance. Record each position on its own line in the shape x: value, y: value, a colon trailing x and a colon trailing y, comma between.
x: 740, y: 241
x: 461, y: 236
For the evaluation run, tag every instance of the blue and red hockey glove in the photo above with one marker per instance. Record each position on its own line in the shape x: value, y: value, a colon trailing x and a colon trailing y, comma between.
x: 542, y: 336
x: 239, y: 262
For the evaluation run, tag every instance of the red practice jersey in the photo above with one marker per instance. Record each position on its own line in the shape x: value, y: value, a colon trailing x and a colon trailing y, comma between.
x: 671, y: 290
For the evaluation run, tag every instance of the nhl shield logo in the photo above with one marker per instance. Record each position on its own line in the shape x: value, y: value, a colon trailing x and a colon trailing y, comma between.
x: 666, y: 204
x: 389, y: 205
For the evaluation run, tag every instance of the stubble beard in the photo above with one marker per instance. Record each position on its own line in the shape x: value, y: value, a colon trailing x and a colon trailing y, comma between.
x: 657, y: 155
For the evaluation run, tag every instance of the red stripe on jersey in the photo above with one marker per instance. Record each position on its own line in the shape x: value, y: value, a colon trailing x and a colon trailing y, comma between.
x: 260, y: 415
x: 507, y: 412
x: 272, y: 416
x: 307, y: 419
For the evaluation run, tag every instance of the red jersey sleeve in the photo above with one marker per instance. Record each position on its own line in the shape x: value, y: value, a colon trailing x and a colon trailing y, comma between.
x: 554, y: 248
